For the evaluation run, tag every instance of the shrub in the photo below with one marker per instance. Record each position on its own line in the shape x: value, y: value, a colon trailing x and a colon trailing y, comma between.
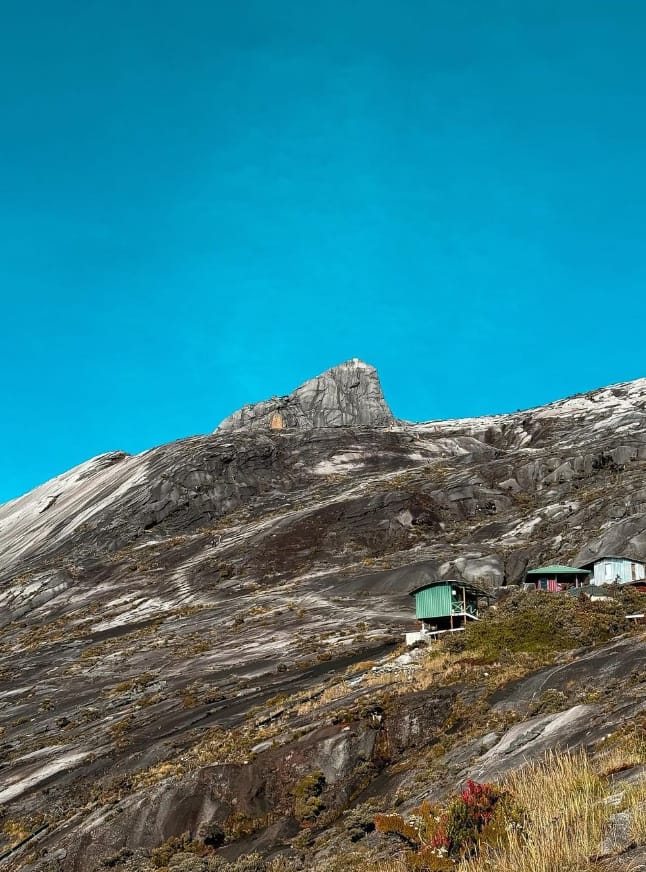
x: 161, y: 856
x: 466, y: 817
x: 542, y: 623
x: 360, y: 821
x: 212, y: 835
x: 549, y: 702
x: 307, y: 794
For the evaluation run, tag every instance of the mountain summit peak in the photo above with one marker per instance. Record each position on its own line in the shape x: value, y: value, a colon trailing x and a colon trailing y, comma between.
x: 347, y: 395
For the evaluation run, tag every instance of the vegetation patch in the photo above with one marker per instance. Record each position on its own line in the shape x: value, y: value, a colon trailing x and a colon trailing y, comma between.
x: 550, y: 815
x: 542, y: 623
x: 308, y: 803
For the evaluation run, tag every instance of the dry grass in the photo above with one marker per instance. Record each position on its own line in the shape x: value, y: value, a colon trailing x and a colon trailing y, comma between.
x: 402, y: 681
x: 567, y: 819
x: 330, y: 694
x: 635, y: 799
x: 386, y: 866
x: 15, y: 831
x: 155, y: 774
x: 361, y: 666
x: 622, y: 750
x: 619, y: 757
x: 437, y: 668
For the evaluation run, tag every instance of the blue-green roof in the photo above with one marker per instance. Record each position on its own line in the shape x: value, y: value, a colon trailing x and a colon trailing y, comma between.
x: 470, y: 588
x: 558, y: 569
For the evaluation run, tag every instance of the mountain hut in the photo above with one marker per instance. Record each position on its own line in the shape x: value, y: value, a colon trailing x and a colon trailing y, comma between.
x: 610, y: 569
x: 445, y: 606
x: 557, y: 577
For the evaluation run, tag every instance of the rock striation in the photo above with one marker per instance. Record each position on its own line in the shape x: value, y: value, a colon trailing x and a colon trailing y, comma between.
x: 348, y: 395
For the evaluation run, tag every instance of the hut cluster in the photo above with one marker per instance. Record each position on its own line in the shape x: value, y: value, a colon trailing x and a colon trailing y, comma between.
x: 608, y: 569
x: 447, y: 606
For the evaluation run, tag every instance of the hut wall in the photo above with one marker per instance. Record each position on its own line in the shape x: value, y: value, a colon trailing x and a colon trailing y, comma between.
x: 433, y: 602
x: 607, y: 570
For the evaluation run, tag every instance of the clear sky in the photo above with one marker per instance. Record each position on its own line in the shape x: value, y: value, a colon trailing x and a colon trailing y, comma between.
x: 204, y: 203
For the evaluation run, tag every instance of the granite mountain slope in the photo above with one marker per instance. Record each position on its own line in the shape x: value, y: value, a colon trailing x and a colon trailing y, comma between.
x: 148, y: 600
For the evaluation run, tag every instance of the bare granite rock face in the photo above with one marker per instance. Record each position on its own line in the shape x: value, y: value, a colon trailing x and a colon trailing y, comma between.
x: 157, y: 609
x: 348, y: 395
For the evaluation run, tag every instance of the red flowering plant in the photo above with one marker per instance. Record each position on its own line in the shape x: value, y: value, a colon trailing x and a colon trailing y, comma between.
x: 436, y: 837
x: 468, y: 814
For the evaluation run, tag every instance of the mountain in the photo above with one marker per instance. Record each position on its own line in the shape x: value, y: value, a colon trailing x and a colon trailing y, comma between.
x: 168, y: 618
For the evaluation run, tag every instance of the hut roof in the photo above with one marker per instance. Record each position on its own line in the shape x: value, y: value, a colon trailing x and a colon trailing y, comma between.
x: 601, y: 557
x: 558, y: 569
x: 470, y: 588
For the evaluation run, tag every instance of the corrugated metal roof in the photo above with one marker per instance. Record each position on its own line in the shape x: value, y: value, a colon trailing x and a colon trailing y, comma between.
x: 558, y: 569
x: 613, y: 557
x: 470, y: 588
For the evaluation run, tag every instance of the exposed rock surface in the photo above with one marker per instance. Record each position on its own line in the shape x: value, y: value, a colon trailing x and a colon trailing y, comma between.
x: 147, y: 600
x: 348, y: 395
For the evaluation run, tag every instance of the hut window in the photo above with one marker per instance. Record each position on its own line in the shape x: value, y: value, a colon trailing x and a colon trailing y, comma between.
x: 608, y: 570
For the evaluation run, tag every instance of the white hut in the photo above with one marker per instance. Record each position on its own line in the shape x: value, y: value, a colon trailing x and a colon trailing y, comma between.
x: 611, y: 569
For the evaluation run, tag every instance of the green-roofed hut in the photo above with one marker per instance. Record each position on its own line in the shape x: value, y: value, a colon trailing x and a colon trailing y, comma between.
x: 557, y: 577
x: 442, y: 606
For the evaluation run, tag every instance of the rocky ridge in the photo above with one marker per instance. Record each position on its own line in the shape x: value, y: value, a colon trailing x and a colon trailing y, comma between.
x: 348, y: 395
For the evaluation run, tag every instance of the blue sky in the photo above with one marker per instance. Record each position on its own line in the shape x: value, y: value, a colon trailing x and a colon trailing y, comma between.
x: 205, y: 203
